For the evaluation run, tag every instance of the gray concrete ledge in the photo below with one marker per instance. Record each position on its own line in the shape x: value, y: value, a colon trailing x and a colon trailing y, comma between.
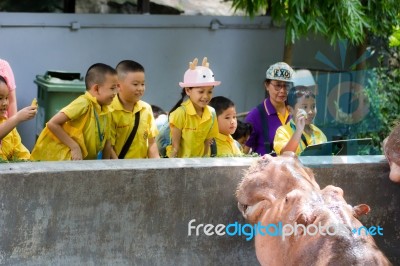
x: 136, y: 212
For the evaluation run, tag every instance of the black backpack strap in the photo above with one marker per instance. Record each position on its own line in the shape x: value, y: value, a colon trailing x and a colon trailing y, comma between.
x: 303, y: 138
x: 264, y: 123
x: 213, y: 148
x: 128, y: 142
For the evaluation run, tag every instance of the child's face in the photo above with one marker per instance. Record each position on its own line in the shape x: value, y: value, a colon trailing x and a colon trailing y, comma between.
x: 132, y: 87
x: 308, y: 105
x: 200, y: 96
x: 227, y: 121
x: 242, y: 140
x: 3, y: 99
x: 106, y: 91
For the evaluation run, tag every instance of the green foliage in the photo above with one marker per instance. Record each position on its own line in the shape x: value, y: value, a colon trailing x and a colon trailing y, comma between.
x: 334, y: 19
x: 13, y: 160
x: 383, y: 92
x: 394, y: 39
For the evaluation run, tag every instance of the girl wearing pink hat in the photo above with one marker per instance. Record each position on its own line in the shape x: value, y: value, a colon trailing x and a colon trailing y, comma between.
x: 8, y: 75
x: 192, y: 122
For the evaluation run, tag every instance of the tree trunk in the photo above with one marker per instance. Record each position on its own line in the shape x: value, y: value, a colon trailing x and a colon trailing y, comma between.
x: 361, y: 67
x: 69, y: 6
x: 287, y: 53
x: 361, y: 49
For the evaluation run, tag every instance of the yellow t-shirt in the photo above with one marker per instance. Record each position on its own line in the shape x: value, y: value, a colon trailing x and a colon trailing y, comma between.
x: 11, y: 146
x: 122, y: 123
x: 195, y: 129
x: 285, y: 132
x: 226, y: 146
x: 82, y: 127
x: 76, y: 110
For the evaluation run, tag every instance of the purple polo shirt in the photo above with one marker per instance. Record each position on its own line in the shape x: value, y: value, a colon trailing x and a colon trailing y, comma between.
x: 256, y: 140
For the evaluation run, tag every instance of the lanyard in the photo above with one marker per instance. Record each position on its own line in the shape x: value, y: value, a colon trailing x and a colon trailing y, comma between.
x: 303, y: 137
x: 101, y: 134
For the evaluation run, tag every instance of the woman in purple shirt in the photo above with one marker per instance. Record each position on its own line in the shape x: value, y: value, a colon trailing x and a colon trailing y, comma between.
x: 272, y: 112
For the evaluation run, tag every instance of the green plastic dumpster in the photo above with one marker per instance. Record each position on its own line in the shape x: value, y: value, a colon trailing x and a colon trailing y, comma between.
x: 56, y: 89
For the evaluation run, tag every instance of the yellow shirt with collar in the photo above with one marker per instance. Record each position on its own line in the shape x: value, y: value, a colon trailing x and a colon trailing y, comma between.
x: 226, y: 146
x: 77, y: 109
x: 11, y: 147
x: 195, y: 129
x: 284, y: 134
x: 122, y: 123
x: 82, y: 127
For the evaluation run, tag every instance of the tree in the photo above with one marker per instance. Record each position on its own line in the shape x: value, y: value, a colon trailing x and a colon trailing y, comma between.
x: 335, y: 20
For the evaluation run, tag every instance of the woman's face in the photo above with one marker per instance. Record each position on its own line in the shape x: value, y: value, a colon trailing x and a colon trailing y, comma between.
x: 277, y: 90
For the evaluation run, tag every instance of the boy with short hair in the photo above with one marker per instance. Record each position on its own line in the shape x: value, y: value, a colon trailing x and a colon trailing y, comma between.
x: 133, y: 128
x: 299, y: 132
x: 81, y: 129
x: 227, y: 123
x: 11, y: 147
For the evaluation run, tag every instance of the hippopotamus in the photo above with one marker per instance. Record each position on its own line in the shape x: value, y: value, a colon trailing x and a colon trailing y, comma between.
x: 279, y: 194
x: 391, y: 148
x: 285, y: 173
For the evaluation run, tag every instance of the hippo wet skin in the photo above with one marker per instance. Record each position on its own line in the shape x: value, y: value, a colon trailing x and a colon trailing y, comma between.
x: 280, y: 190
x: 391, y: 148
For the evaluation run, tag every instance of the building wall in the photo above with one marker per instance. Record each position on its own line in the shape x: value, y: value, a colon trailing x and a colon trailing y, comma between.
x: 136, y: 212
x: 239, y: 51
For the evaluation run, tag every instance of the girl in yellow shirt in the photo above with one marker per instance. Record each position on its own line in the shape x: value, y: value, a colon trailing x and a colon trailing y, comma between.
x: 192, y: 121
x: 11, y: 147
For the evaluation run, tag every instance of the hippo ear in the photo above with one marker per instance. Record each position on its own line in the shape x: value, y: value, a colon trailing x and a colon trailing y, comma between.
x: 360, y: 210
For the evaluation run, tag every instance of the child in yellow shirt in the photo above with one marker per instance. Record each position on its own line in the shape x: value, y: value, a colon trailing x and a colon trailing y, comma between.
x: 299, y: 132
x: 129, y: 109
x: 227, y: 123
x: 192, y: 121
x: 81, y: 129
x: 11, y: 147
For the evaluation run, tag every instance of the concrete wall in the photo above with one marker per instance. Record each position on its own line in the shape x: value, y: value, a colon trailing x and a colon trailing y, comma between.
x: 239, y: 50
x: 136, y: 212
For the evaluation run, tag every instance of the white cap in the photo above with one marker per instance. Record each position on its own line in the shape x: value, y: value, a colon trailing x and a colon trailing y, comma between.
x: 303, y: 77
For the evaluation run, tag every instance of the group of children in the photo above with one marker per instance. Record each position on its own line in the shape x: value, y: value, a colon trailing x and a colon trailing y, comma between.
x: 110, y: 121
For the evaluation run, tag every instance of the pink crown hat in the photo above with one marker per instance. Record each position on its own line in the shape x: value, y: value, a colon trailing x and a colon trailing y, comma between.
x: 7, y: 73
x: 198, y: 76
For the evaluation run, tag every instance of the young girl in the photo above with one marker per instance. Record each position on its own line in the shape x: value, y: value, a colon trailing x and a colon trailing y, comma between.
x: 11, y: 147
x: 192, y: 122
x: 296, y: 135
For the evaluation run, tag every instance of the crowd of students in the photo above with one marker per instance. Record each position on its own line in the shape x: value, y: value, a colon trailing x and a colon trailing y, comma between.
x: 110, y: 121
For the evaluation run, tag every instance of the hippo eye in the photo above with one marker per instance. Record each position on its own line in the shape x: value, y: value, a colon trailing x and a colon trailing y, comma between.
x: 204, y: 76
x: 286, y: 199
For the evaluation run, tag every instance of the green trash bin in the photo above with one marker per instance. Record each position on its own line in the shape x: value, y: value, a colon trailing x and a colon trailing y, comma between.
x: 56, y: 89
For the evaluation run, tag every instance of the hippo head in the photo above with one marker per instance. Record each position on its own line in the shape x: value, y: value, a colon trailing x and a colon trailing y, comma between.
x: 391, y: 148
x: 280, y: 190
x: 271, y: 178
